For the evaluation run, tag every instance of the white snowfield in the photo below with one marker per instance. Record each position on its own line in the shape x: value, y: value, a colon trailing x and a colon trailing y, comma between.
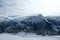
x: 6, y: 36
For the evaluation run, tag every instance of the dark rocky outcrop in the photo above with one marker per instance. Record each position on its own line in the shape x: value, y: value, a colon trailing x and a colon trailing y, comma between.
x: 39, y: 24
x: 33, y: 24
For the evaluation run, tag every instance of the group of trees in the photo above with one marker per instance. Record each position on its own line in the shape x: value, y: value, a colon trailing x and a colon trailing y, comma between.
x: 34, y: 24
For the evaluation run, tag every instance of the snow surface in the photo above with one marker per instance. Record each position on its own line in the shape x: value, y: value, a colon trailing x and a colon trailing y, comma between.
x: 24, y: 36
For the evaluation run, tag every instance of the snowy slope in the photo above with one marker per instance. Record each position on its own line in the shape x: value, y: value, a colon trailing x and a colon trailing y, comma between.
x: 14, y: 37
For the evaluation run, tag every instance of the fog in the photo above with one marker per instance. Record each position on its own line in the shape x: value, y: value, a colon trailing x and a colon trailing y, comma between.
x: 29, y: 7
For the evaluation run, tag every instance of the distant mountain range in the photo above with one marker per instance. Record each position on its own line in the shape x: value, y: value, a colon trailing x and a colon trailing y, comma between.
x: 35, y: 24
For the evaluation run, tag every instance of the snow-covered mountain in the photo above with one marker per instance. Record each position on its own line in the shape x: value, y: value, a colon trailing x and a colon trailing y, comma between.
x: 31, y: 24
x: 41, y: 24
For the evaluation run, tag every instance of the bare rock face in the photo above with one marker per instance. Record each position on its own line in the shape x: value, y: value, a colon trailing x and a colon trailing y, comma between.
x: 3, y: 22
x: 33, y: 24
x: 37, y: 23
x: 12, y: 27
x: 41, y: 25
x: 55, y: 24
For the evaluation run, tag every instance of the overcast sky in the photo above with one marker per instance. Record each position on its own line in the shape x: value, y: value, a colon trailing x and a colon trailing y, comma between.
x: 30, y: 7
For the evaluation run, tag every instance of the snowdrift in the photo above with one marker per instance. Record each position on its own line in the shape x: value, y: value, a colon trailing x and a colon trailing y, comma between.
x: 14, y: 37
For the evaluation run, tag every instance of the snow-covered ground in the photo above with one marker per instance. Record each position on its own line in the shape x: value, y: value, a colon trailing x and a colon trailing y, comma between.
x: 28, y: 36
